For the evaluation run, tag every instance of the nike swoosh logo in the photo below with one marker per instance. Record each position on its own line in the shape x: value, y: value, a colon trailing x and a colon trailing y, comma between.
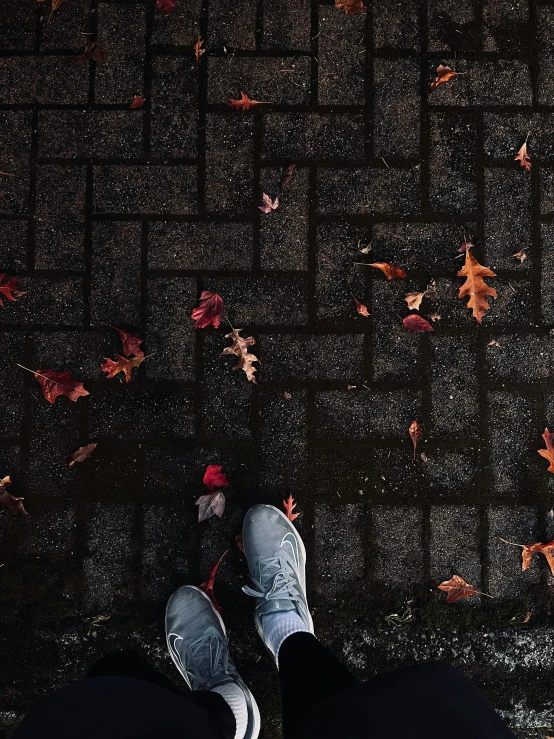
x: 290, y: 539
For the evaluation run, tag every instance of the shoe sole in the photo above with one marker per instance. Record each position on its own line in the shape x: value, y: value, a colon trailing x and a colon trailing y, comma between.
x: 254, y: 718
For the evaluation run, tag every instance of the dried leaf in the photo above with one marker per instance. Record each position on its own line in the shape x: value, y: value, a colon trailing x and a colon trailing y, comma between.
x: 361, y: 308
x: 523, y: 158
x: 131, y: 344
x: 443, y: 75
x: 57, y: 4
x: 350, y: 7
x: 269, y: 204
x: 198, y: 50
x: 82, y: 453
x: 137, y: 102
x: 208, y: 585
x: 214, y: 477
x: 208, y: 311
x: 465, y: 246
x: 244, y: 103
x: 211, y: 504
x: 289, y: 505
x: 528, y: 550
x: 458, y: 588
x: 239, y: 543
x: 494, y: 342
x: 8, y: 288
x: 240, y: 349
x: 165, y: 5
x: 123, y: 364
x: 54, y: 384
x: 389, y: 270
x: 415, y: 434
x: 287, y: 176
x: 548, y: 453
x: 413, y: 322
x: 475, y: 286
x: 287, y: 395
x: 9, y: 500
x: 434, y: 317
x: 521, y: 255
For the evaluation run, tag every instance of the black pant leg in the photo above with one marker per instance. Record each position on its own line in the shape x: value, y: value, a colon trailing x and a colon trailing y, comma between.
x: 309, y: 674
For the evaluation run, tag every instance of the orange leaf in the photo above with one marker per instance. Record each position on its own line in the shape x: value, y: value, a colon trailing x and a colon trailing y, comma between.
x: 208, y: 311
x: 350, y: 7
x: 289, y: 505
x: 548, y: 453
x: 137, y: 102
x: 240, y: 349
x: 244, y: 103
x: 59, y: 383
x: 389, y: 270
x: 361, y: 308
x: 82, y: 453
x: 458, y: 588
x: 528, y: 550
x: 123, y: 364
x: 208, y: 585
x: 523, y: 158
x: 415, y: 434
x: 475, y: 286
x: 198, y: 50
x: 443, y: 75
x: 9, y: 500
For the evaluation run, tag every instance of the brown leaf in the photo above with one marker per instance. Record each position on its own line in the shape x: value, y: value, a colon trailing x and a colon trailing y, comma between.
x: 548, y: 453
x: 523, y: 158
x: 528, y: 550
x: 269, y: 204
x: 131, y: 344
x: 413, y: 322
x: 475, y: 286
x: 123, y: 364
x: 9, y: 500
x: 415, y: 434
x: 8, y: 288
x: 208, y: 585
x: 244, y: 103
x: 287, y: 176
x: 361, y: 308
x: 494, y: 342
x: 198, y: 50
x: 434, y: 317
x: 443, y: 75
x: 287, y: 395
x: 54, y: 384
x: 350, y: 7
x: 211, y: 504
x: 57, y: 4
x: 82, y: 453
x: 240, y: 349
x: 414, y: 300
x: 458, y: 588
x: 289, y: 505
x: 389, y: 270
x: 137, y: 102
x: 521, y: 255
x: 208, y: 312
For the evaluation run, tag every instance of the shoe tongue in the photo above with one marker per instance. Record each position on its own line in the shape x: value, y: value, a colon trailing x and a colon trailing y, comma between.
x: 273, y: 606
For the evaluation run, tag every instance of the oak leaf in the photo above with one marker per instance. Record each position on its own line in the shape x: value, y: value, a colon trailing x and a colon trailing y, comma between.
x: 208, y: 311
x: 528, y: 550
x: 198, y: 50
x: 361, y: 308
x: 208, y: 585
x: 131, y: 344
x: 389, y: 270
x: 289, y: 505
x: 475, y: 286
x: 350, y: 7
x: 269, y: 204
x: 287, y: 176
x: 244, y: 102
x: 211, y: 504
x: 123, y: 364
x: 137, y: 102
x: 240, y: 349
x: 165, y: 5
x: 54, y: 384
x: 82, y: 453
x: 9, y: 500
x: 443, y: 75
x: 548, y: 453
x: 413, y: 322
x: 415, y: 434
x: 523, y: 158
x: 8, y: 288
x: 458, y: 588
x: 214, y: 477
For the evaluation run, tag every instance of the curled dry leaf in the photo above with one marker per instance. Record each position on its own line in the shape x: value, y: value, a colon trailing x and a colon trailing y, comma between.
x: 443, y: 75
x: 214, y: 477
x: 165, y: 5
x: 269, y: 204
x: 465, y: 246
x: 548, y: 453
x: 211, y: 504
x: 54, y: 384
x: 434, y: 317
x: 475, y: 286
x: 289, y: 505
x: 361, y: 308
x: 287, y: 176
x: 415, y: 434
x: 82, y: 453
x: 131, y: 344
x: 137, y: 102
x: 123, y: 364
x: 198, y: 50
x: 244, y: 102
x: 523, y: 158
x: 494, y: 342
x: 240, y: 349
x: 414, y: 322
x: 208, y: 585
x: 8, y: 288
x: 208, y: 311
x: 528, y: 550
x: 350, y: 7
x: 9, y: 500
x: 239, y: 543
x: 389, y: 270
x: 520, y: 255
x: 287, y: 395
x: 458, y: 588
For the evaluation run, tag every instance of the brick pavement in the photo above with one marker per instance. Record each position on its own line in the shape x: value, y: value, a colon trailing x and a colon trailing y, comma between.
x: 124, y: 216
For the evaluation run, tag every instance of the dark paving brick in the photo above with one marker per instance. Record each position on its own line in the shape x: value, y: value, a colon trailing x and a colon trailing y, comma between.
x: 179, y: 27
x: 501, y: 19
x: 66, y: 27
x: 298, y: 136
x: 339, y: 555
x: 454, y: 387
x: 508, y: 219
x: 452, y: 166
x: 15, y: 135
x: 377, y: 191
x: 233, y: 24
x: 337, y: 277
x: 547, y: 284
x: 229, y: 156
x: 394, y: 30
x: 523, y: 358
x: 340, y: 68
x: 454, y: 544
x: 47, y: 79
x: 453, y: 26
x: 286, y: 25
x: 279, y: 81
x: 330, y: 357
x: 501, y: 82
x: 396, y: 113
x: 54, y: 300
x: 505, y: 134
x: 51, y: 532
x: 407, y: 567
x: 12, y: 382
x: 519, y: 525
x: 13, y: 235
x: 174, y: 112
x: 18, y: 31
x: 80, y: 352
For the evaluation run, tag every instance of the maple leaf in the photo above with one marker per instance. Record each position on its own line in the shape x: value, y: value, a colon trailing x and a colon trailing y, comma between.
x: 289, y: 505
x: 389, y: 270
x: 165, y: 5
x: 361, y: 308
x: 244, y: 103
x: 9, y: 500
x: 138, y: 102
x: 548, y: 453
x: 528, y: 550
x: 350, y: 7
x: 415, y: 434
x: 443, y: 75
x: 475, y: 286
x: 287, y: 176
x: 198, y: 50
x: 208, y: 585
x: 211, y: 504
x: 214, y: 478
x: 269, y: 204
x: 521, y: 255
x: 82, y: 453
x: 458, y: 588
x: 8, y: 288
x: 240, y: 349
x: 413, y: 322
x: 130, y: 344
x: 123, y: 364
x: 522, y: 157
x: 58, y: 383
x: 208, y: 311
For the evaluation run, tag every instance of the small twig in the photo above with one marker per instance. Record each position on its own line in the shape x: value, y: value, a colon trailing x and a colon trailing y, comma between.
x: 7, y: 174
x: 229, y: 322
x: 511, y: 543
x: 386, y: 165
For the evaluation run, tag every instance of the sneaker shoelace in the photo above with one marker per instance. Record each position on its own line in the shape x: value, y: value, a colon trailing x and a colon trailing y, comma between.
x: 205, y: 660
x: 277, y: 580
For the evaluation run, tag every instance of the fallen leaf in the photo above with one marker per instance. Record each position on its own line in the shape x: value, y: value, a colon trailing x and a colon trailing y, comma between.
x: 287, y: 176
x: 521, y: 255
x: 239, y: 543
x: 54, y: 384
x: 8, y: 288
x: 82, y: 453
x: 523, y: 158
x: 389, y: 270
x: 269, y: 204
x: 415, y: 434
x: 240, y: 349
x: 123, y: 364
x: 211, y: 504
x: 548, y: 453
x: 198, y: 50
x: 413, y: 322
x: 458, y: 588
x: 350, y: 7
x: 57, y: 4
x: 414, y: 300
x: 208, y: 311
x: 361, y: 308
x: 9, y: 500
x: 138, y: 102
x: 208, y: 585
x: 528, y: 550
x: 424, y: 457
x: 287, y: 395
x: 165, y: 5
x: 465, y: 246
x: 289, y: 505
x: 131, y: 344
x: 434, y: 317
x: 494, y: 342
x: 244, y: 103
x: 475, y: 286
x: 443, y: 75
x: 351, y: 387
x: 214, y: 477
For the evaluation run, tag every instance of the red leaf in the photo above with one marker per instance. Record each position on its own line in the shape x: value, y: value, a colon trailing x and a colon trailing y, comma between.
x: 59, y: 383
x: 523, y: 158
x: 208, y: 311
x: 244, y: 103
x: 212, y: 504
x: 466, y: 246
x: 361, y: 308
x: 166, y: 5
x: 389, y: 270
x: 413, y: 322
x: 289, y: 505
x: 123, y: 364
x: 9, y: 500
x: 415, y: 434
x: 9, y: 289
x: 138, y: 102
x: 214, y: 478
x: 130, y: 344
x: 208, y: 585
x: 82, y: 453
x: 458, y: 588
